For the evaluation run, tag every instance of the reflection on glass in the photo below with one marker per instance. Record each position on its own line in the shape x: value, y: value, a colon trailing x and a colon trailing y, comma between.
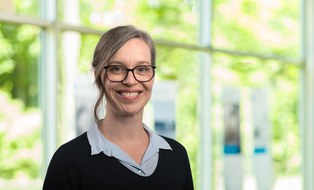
x: 20, y: 118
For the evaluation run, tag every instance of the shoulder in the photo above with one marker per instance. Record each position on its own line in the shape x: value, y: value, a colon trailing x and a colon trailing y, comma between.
x: 69, y: 154
x: 80, y: 140
x: 174, y: 144
x: 178, y: 150
x: 182, y: 160
x: 75, y: 146
x: 62, y: 170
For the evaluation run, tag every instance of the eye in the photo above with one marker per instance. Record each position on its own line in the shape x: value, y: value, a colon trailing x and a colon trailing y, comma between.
x: 116, y: 69
x: 142, y: 69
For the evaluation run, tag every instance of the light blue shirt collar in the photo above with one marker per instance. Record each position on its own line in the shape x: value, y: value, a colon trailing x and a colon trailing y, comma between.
x: 99, y: 143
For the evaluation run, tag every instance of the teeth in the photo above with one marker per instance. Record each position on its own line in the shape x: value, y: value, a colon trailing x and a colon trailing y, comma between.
x: 129, y: 93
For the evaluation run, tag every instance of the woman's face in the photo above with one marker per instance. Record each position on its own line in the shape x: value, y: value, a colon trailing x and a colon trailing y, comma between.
x: 129, y: 96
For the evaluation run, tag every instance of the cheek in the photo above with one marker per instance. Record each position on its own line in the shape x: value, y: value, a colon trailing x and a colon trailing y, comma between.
x: 149, y: 86
x: 103, y: 78
x: 109, y: 88
x: 106, y: 87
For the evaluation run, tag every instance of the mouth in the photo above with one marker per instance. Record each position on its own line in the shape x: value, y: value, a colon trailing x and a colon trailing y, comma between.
x: 129, y: 94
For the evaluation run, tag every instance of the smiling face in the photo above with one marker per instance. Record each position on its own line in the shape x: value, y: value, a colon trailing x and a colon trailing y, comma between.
x: 129, y: 96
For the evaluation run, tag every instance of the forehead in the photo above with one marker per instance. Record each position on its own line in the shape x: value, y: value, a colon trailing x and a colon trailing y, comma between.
x: 135, y: 48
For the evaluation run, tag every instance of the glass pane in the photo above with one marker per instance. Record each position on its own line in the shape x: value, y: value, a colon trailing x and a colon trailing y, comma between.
x: 280, y: 83
x: 267, y: 27
x: 20, y: 7
x: 20, y: 116
x: 174, y: 20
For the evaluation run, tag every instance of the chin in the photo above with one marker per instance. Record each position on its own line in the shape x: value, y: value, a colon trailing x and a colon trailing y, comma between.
x: 132, y: 112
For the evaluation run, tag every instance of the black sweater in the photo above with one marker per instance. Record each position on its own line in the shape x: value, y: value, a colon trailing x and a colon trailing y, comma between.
x: 74, y: 168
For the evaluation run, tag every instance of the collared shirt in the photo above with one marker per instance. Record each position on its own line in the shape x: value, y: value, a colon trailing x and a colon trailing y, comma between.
x: 149, y: 162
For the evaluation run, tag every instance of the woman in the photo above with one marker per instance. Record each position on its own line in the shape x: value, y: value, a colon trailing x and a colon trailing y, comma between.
x: 121, y: 152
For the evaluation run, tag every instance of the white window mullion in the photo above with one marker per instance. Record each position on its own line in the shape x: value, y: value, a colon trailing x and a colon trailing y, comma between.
x: 307, y: 94
x: 48, y: 80
x: 205, y: 12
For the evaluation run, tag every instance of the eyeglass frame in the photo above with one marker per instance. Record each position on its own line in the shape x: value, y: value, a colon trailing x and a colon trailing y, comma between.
x: 130, y: 70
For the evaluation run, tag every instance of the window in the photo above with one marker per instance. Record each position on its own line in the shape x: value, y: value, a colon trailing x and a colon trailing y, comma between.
x: 255, y: 45
x: 20, y: 116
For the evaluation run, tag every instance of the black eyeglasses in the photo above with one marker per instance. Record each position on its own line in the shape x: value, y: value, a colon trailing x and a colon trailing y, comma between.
x: 118, y: 73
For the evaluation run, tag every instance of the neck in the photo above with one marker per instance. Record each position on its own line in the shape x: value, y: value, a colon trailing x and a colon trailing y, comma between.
x: 122, y: 127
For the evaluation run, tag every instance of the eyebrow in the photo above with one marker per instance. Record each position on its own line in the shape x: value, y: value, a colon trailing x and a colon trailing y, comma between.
x: 121, y: 63
x: 115, y: 63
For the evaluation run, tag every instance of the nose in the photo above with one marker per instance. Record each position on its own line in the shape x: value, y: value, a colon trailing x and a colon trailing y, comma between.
x: 130, y: 79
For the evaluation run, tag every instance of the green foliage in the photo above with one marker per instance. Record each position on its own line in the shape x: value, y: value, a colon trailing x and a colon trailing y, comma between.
x: 19, y: 58
x: 29, y: 8
x: 286, y: 142
x: 91, y: 13
x: 257, y: 26
x: 19, y: 140
x: 88, y: 44
x: 174, y: 20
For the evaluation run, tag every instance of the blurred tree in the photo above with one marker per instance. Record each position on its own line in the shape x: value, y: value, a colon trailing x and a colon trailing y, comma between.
x: 19, y: 62
x: 20, y: 147
x: 264, y: 27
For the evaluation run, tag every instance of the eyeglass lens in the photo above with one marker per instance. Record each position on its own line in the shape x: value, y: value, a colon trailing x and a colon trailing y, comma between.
x: 118, y: 73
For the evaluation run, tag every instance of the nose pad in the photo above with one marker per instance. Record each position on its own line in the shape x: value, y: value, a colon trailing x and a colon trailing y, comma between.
x: 130, y: 79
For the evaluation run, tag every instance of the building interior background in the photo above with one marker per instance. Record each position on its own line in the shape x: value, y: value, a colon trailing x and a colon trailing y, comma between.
x: 239, y: 76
